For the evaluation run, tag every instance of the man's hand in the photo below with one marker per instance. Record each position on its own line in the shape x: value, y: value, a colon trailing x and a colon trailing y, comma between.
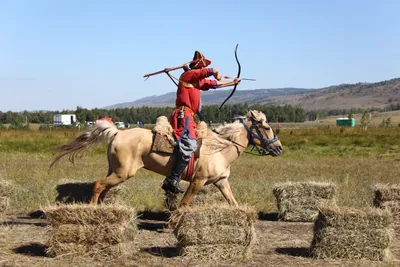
x: 237, y: 80
x: 217, y: 75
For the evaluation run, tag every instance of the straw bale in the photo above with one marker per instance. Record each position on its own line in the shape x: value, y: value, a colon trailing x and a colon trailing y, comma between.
x: 301, y: 210
x: 92, y: 230
x: 385, y: 193
x: 322, y: 190
x: 350, y: 218
x: 388, y: 197
x: 99, y: 251
x: 215, y: 231
x: 352, y: 234
x: 349, y: 244
x: 300, y: 201
x: 217, y: 234
x: 217, y: 252
x: 90, y: 214
x: 4, y: 204
x: 90, y: 234
x: 394, y: 208
x: 198, y: 217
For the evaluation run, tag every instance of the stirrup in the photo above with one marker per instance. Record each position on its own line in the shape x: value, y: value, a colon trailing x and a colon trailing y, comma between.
x: 172, y: 186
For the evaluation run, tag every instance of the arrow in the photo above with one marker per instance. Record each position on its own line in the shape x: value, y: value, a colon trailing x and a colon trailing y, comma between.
x: 244, y: 79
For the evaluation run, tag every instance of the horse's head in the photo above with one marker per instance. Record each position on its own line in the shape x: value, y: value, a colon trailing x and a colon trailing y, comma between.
x: 261, y: 134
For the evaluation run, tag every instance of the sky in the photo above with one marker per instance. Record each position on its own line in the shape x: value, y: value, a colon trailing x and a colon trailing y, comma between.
x: 57, y: 55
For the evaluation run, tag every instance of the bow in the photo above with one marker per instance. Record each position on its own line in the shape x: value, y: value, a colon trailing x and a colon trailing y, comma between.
x: 237, y: 76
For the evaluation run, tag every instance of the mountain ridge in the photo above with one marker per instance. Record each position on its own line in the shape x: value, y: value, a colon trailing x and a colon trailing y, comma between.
x: 342, y: 96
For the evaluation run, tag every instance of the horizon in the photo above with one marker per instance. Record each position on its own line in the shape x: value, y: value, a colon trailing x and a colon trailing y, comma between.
x: 143, y: 98
x: 224, y: 89
x: 65, y: 54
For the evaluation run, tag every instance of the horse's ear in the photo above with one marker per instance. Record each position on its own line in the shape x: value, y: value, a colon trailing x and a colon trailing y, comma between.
x: 253, y: 114
x: 277, y: 130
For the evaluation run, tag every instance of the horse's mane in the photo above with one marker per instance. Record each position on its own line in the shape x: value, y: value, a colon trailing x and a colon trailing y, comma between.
x: 256, y: 115
x: 229, y: 131
x: 221, y: 137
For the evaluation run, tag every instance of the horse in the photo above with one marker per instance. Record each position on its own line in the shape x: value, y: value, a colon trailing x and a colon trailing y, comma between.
x: 129, y: 150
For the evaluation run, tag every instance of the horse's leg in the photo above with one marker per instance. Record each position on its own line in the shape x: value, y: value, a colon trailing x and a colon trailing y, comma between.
x: 192, y: 190
x: 102, y: 186
x: 104, y: 193
x: 225, y: 188
x: 121, y: 167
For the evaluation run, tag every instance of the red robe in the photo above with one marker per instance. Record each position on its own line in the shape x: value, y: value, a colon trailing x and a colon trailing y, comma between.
x: 189, y: 97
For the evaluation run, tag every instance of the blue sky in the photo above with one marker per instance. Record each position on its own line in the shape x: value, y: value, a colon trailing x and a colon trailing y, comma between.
x: 58, y: 55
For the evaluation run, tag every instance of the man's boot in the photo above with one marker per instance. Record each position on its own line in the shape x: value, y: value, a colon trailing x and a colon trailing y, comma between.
x: 171, y: 183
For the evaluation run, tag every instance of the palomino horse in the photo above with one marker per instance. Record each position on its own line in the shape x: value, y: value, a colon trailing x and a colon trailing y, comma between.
x: 130, y: 150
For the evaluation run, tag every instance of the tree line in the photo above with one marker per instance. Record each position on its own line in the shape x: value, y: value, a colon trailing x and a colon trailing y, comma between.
x: 320, y: 114
x: 148, y: 115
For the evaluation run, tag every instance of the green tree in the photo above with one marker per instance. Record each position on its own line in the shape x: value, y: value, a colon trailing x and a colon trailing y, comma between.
x: 386, y: 122
x: 365, y: 119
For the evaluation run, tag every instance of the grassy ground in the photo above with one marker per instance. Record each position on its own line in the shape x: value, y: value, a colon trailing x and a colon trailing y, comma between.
x: 352, y: 158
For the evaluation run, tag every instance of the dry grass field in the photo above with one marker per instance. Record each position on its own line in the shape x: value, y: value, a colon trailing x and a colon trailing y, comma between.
x: 353, y: 159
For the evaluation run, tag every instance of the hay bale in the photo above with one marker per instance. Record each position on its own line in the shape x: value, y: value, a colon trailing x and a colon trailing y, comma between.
x: 215, y: 232
x: 71, y: 191
x: 216, y: 252
x: 98, y: 252
x: 384, y: 193
x: 388, y: 197
x: 299, y: 201
x: 90, y: 214
x: 90, y: 234
x: 348, y: 233
x: 4, y: 204
x: 394, y: 208
x: 92, y: 230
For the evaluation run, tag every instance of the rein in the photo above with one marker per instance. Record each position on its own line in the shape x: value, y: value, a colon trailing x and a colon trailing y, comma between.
x: 266, y: 142
x: 233, y: 142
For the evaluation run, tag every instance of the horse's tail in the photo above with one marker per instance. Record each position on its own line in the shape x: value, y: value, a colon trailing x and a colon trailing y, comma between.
x: 86, y: 140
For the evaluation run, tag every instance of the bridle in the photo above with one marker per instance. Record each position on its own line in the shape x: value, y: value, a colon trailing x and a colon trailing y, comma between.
x: 265, y: 142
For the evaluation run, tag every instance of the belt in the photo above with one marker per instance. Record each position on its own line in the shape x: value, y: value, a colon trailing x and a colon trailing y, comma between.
x: 186, y: 84
x: 185, y: 108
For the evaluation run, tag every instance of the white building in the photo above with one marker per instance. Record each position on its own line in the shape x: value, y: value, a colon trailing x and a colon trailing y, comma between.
x: 120, y: 124
x: 64, y: 119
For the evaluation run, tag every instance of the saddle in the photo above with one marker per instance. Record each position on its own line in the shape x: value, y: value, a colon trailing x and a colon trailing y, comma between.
x: 164, y: 140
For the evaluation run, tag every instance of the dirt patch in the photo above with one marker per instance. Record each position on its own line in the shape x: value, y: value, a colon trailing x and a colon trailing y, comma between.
x: 23, y: 240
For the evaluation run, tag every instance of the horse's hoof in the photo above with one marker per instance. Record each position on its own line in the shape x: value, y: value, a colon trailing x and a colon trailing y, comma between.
x: 171, y: 201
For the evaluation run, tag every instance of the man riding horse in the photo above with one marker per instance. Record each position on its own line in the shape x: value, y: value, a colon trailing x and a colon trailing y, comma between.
x: 132, y: 149
x: 188, y: 103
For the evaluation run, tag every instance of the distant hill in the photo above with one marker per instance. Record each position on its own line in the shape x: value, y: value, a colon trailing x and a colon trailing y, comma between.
x: 344, y: 96
x: 211, y: 97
